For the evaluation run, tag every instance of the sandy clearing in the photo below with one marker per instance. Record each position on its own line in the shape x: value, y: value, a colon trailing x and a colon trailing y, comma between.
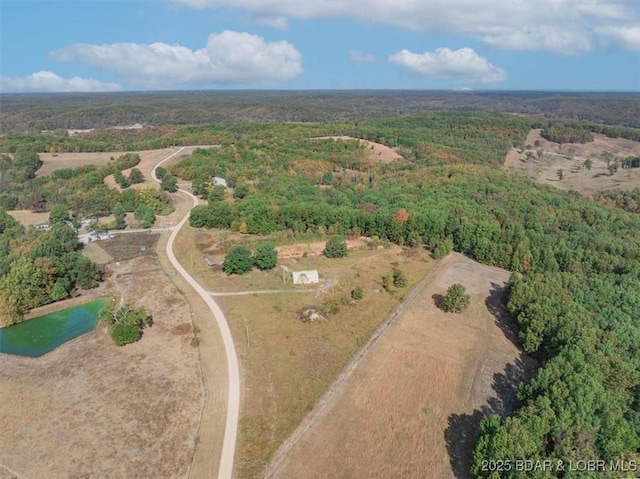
x: 314, y: 248
x: 407, y: 408
x: 375, y: 151
x: 542, y: 162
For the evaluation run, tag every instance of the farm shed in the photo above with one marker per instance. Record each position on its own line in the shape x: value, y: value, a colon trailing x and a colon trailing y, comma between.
x: 217, y: 181
x: 305, y: 277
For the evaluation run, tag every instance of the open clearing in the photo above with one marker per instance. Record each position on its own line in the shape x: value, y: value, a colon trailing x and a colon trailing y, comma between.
x: 412, y: 406
x: 28, y: 217
x: 286, y: 364
x: 375, y: 151
x: 570, y: 158
x: 91, y: 409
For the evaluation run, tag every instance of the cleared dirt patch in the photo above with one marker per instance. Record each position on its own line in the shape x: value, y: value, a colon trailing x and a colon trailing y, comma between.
x: 91, y: 409
x: 542, y: 161
x: 375, y: 151
x: 28, y: 217
x: 130, y: 245
x: 411, y: 407
x: 287, y: 364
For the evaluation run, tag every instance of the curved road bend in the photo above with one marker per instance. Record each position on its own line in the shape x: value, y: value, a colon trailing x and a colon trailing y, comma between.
x: 233, y: 403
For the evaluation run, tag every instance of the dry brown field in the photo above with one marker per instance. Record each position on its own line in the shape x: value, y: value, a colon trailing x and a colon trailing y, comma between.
x: 91, y: 409
x: 28, y: 217
x: 570, y: 158
x: 412, y: 406
x: 287, y: 364
x: 59, y: 161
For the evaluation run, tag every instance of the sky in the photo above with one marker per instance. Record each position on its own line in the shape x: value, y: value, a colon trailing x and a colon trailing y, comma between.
x: 142, y: 45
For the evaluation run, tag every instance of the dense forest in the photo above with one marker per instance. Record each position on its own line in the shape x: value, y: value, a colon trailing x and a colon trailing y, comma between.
x: 39, y: 267
x: 574, y: 294
x: 21, y: 113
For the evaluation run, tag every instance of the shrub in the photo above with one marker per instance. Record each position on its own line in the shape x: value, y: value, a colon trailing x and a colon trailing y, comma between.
x: 336, y: 247
x: 125, y: 325
x: 238, y: 261
x: 456, y: 300
x: 136, y: 176
x: 356, y: 293
x: 399, y: 280
x: 161, y: 172
x: 265, y: 256
x: 169, y: 183
x: 241, y: 191
x: 442, y: 248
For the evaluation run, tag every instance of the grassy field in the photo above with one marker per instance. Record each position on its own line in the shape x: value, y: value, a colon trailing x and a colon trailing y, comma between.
x: 412, y: 406
x: 92, y: 409
x: 543, y: 168
x: 130, y: 245
x: 286, y: 364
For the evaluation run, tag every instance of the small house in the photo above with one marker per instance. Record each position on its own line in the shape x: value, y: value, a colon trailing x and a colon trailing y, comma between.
x: 305, y: 277
x: 217, y: 181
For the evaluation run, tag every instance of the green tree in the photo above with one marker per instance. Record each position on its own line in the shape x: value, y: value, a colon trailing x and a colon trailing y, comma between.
x: 237, y: 261
x: 118, y: 211
x: 240, y: 191
x: 327, y: 178
x: 161, y: 172
x: 169, y: 183
x: 336, y: 247
x: 613, y: 167
x: 588, y: 164
x: 265, y: 256
x: 216, y: 194
x: 58, y: 214
x: 125, y: 325
x: 456, y: 299
x: 560, y: 174
x: 442, y: 248
x: 136, y: 176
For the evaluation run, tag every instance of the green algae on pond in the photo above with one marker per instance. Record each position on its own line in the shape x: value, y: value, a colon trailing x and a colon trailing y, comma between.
x: 38, y: 336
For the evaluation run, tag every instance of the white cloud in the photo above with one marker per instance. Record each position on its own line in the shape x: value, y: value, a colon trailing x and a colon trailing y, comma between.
x: 463, y: 65
x: 360, y: 57
x: 228, y: 58
x: 45, y: 81
x: 627, y: 37
x: 561, y: 26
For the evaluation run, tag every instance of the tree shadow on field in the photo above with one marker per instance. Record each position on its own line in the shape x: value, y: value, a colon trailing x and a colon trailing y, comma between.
x: 438, y: 300
x: 462, y: 430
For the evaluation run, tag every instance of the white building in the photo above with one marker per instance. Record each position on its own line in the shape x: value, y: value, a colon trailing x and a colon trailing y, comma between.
x: 217, y: 181
x: 305, y: 277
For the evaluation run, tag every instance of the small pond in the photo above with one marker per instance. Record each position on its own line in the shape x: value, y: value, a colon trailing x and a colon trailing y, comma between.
x: 43, y: 334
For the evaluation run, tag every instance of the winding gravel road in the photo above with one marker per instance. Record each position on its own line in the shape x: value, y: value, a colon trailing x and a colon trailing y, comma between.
x: 233, y: 403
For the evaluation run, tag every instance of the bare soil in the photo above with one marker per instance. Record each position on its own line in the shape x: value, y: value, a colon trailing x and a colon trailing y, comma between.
x: 91, y: 409
x: 541, y: 163
x: 375, y: 151
x: 412, y: 406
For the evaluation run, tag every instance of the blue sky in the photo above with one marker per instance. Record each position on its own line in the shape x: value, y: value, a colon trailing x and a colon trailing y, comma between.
x: 102, y: 45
